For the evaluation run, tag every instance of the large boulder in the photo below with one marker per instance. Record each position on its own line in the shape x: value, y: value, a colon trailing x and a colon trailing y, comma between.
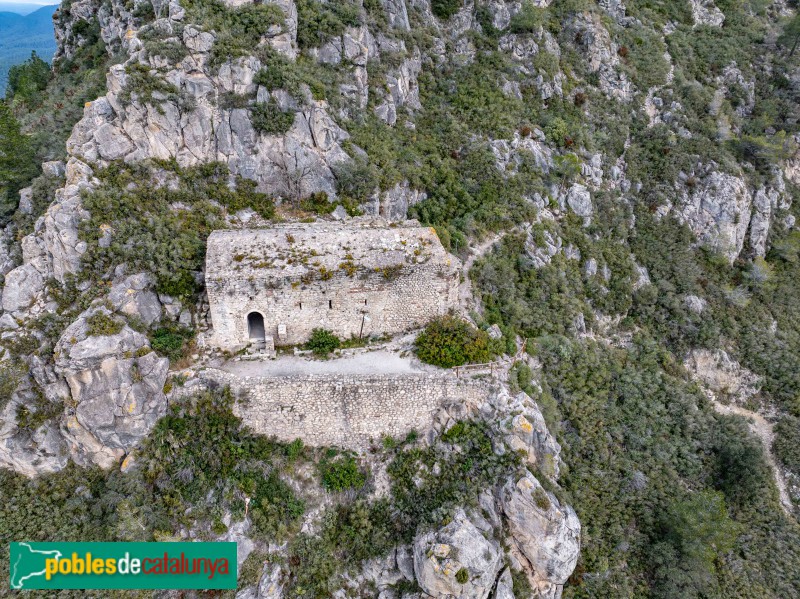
x: 580, y: 200
x: 525, y: 431
x: 31, y: 453
x: 457, y: 560
x: 22, y: 286
x: 133, y: 296
x: 718, y: 212
x: 116, y: 385
x: 705, y: 12
x: 545, y: 532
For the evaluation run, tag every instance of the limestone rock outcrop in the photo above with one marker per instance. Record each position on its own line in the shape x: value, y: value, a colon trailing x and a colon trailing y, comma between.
x: 22, y: 286
x: 457, y: 561
x: 526, y: 431
x: 718, y: 212
x: 601, y: 55
x: 31, y: 453
x: 705, y: 12
x: 722, y: 375
x: 116, y: 391
x: 546, y: 533
x: 134, y: 296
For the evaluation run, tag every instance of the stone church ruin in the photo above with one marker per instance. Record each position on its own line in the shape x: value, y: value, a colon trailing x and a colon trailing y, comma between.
x: 361, y: 278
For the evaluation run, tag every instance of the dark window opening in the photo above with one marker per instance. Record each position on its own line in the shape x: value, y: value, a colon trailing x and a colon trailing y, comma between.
x: 300, y: 304
x: 365, y: 302
x: 330, y: 304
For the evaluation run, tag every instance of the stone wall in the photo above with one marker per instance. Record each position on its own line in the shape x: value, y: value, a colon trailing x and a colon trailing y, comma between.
x: 348, y: 306
x: 345, y: 410
x: 356, y: 279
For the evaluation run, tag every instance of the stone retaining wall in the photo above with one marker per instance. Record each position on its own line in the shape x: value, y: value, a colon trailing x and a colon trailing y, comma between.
x: 345, y: 410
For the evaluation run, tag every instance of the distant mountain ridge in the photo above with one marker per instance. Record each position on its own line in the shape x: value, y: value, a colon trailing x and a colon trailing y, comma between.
x: 20, y: 8
x: 22, y: 34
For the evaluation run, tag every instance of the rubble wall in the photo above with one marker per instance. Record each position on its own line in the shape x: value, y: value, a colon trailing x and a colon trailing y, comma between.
x: 345, y: 410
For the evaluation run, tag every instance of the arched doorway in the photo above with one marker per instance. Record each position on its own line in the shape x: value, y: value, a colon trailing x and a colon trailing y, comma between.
x: 255, y: 327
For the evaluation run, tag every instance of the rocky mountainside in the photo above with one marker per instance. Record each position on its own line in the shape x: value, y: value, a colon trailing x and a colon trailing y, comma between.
x: 633, y: 166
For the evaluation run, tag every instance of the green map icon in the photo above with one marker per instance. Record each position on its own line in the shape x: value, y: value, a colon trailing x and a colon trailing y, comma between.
x: 28, y: 563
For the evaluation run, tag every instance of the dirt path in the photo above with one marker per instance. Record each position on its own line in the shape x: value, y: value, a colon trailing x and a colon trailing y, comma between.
x: 367, y: 362
x: 763, y: 430
x: 466, y: 301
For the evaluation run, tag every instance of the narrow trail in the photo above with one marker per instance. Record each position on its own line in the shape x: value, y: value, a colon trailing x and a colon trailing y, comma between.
x: 466, y: 301
x: 764, y: 431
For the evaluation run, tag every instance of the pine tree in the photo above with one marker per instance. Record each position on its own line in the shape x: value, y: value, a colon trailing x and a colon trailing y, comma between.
x: 17, y: 161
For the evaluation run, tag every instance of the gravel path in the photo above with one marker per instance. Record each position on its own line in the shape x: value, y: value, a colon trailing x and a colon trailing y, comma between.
x: 367, y: 362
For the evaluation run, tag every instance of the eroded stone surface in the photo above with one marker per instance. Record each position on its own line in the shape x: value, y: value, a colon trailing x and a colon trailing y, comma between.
x: 457, y: 550
x: 546, y: 532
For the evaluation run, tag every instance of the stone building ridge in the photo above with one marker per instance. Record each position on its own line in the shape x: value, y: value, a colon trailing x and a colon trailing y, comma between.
x: 359, y: 278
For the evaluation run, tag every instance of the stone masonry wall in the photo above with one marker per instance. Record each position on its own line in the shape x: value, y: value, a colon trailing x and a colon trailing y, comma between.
x: 390, y: 304
x: 345, y: 410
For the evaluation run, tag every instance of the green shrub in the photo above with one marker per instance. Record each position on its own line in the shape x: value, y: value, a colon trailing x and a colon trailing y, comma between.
x: 558, y: 131
x: 146, y: 87
x: 51, y: 113
x: 17, y: 162
x: 318, y: 203
x: 161, y: 229
x: 322, y: 342
x: 233, y: 101
x: 278, y: 72
x: 787, y: 442
x: 100, y: 323
x: 444, y: 9
x: 245, y: 196
x: 269, y: 118
x: 341, y: 473
x: 357, y: 179
x: 174, y: 52
x: 529, y: 19
x: 521, y: 586
x: 238, y: 30
x: 10, y: 377
x: 275, y: 506
x: 449, y: 341
x: 741, y: 470
x: 43, y: 190
x: 645, y: 57
x: 33, y: 414
x: 317, y: 22
x: 541, y: 499
x: 462, y: 576
x: 170, y: 340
